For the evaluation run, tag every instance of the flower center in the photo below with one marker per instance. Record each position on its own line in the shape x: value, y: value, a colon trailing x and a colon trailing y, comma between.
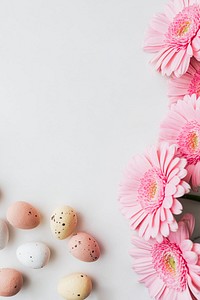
x: 194, y: 87
x: 189, y: 142
x: 151, y: 190
x: 184, y: 27
x: 169, y: 263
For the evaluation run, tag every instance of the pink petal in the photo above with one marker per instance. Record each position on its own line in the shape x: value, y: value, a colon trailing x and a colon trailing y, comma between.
x: 162, y: 214
x: 135, y: 222
x: 196, y: 248
x: 155, y: 224
x: 189, y: 220
x: 176, y: 207
x: 156, y: 286
x: 170, y: 189
x: 144, y: 226
x: 176, y: 179
x: 164, y: 229
x: 191, y: 257
x: 186, y: 245
x: 173, y: 226
x: 167, y: 202
x: 179, y: 192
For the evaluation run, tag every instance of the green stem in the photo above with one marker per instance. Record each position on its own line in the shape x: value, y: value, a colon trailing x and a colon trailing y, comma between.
x: 191, y: 197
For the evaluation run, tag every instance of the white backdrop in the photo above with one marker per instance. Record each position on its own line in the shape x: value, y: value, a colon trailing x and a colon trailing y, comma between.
x: 78, y: 99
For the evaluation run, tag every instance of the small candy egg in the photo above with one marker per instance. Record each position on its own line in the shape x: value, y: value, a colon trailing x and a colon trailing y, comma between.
x: 4, y: 234
x: 84, y: 247
x: 11, y: 282
x: 76, y: 286
x: 34, y: 255
x: 63, y: 222
x: 23, y: 215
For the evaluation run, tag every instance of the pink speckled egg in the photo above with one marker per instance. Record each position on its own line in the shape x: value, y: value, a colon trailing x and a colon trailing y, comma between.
x: 11, y: 282
x: 23, y: 215
x: 84, y: 247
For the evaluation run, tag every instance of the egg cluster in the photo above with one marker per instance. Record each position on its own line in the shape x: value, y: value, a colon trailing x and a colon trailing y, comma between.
x: 36, y: 255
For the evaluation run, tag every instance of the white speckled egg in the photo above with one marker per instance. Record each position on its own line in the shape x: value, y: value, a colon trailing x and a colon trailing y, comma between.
x: 11, y: 282
x: 23, y: 215
x: 4, y: 234
x: 34, y: 255
x: 76, y: 286
x: 84, y: 247
x: 63, y: 222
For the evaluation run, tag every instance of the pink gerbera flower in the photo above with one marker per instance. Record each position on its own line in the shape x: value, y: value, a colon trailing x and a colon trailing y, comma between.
x: 182, y: 127
x: 170, y: 269
x: 149, y: 193
x: 187, y: 84
x: 175, y: 37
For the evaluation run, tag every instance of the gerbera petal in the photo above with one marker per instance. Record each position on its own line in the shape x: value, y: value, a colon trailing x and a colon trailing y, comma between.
x: 184, y: 122
x: 156, y: 286
x: 173, y: 226
x: 193, y: 288
x: 169, y: 215
x: 170, y: 11
x: 176, y: 179
x: 191, y: 257
x: 134, y: 222
x: 162, y: 214
x: 168, y: 268
x: 170, y: 189
x: 164, y: 228
x: 189, y: 220
x: 196, y: 248
x: 174, y: 63
x: 180, y: 191
x: 177, y: 31
x: 144, y: 226
x: 155, y: 224
x: 196, y: 177
x: 176, y: 207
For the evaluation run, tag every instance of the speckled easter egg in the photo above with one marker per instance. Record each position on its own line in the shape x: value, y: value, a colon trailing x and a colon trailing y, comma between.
x: 11, y: 282
x: 4, y: 234
x: 23, y: 215
x: 84, y: 247
x: 34, y: 255
x: 76, y: 286
x: 63, y: 222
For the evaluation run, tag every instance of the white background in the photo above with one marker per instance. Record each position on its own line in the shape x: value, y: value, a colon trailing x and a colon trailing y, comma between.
x: 78, y: 99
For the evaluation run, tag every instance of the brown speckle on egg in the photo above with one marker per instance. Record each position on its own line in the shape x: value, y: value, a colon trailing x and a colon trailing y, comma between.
x: 23, y: 215
x: 63, y: 222
x: 75, y: 286
x: 11, y: 282
x: 84, y: 247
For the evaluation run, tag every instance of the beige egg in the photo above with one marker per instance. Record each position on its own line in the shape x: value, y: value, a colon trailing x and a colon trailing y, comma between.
x: 84, y: 247
x: 11, y: 282
x: 63, y: 222
x: 23, y: 215
x: 76, y: 286
x: 4, y: 234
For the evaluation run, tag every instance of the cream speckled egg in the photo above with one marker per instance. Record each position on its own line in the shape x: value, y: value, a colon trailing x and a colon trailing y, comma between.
x: 34, y: 255
x: 84, y: 247
x: 23, y: 215
x: 11, y: 282
x: 76, y: 286
x: 4, y: 234
x: 63, y: 222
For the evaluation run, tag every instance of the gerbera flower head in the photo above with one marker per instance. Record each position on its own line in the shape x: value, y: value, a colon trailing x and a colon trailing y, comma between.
x: 174, y: 37
x: 150, y: 189
x: 170, y: 269
x: 187, y: 84
x: 182, y: 127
